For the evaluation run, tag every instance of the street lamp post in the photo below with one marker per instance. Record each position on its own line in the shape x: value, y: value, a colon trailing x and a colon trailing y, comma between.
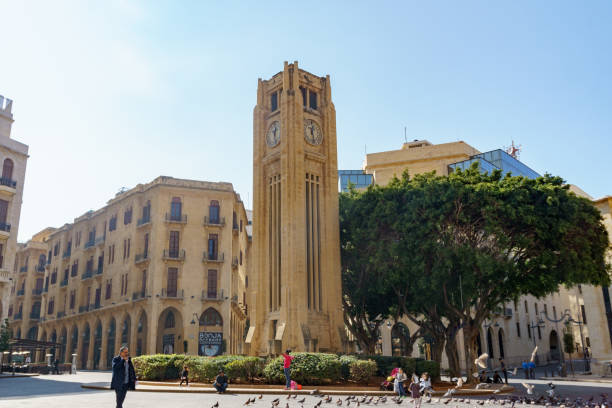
x: 194, y: 320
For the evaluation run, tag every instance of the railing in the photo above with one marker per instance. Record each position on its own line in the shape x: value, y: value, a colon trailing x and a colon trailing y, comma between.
x: 83, y: 309
x: 64, y: 283
x: 138, y: 295
x: 66, y: 254
x: 40, y: 268
x: 174, y: 255
x: 235, y: 262
x: 46, y: 289
x: 18, y: 316
x: 21, y: 292
x: 87, y: 274
x: 8, y: 182
x: 99, y: 271
x: 208, y: 257
x: 34, y: 315
x: 37, y: 292
x: 89, y: 244
x: 100, y: 240
x: 61, y: 314
x: 143, y: 221
x: 217, y: 296
x: 214, y: 222
x: 178, y: 294
x: 23, y: 268
x: 182, y: 219
x: 141, y: 258
x: 95, y: 306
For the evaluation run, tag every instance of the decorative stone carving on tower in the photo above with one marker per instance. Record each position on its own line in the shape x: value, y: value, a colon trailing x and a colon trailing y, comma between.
x: 296, y: 241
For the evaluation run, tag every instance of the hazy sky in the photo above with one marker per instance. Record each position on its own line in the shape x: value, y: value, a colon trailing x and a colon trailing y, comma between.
x: 110, y: 94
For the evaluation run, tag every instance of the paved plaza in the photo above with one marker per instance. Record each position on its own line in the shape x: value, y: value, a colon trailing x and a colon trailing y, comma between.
x: 51, y: 391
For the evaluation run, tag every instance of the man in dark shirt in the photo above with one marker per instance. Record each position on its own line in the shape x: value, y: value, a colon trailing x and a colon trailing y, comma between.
x: 221, y: 382
x: 503, y: 369
x: 124, y: 376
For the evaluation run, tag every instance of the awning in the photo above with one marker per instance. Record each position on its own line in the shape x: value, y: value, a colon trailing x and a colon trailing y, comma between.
x: 280, y: 330
x: 250, y: 333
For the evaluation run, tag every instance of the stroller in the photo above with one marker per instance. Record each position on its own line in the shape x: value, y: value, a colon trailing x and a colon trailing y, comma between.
x: 387, y: 385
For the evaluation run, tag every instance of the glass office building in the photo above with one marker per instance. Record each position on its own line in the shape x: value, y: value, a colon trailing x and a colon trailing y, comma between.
x: 496, y: 160
x: 358, y: 178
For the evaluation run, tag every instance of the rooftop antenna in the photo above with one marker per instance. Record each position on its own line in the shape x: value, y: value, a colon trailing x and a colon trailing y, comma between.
x: 405, y: 138
x: 514, y: 151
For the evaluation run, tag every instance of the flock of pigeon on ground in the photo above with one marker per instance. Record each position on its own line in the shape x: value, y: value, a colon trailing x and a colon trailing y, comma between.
x: 450, y: 397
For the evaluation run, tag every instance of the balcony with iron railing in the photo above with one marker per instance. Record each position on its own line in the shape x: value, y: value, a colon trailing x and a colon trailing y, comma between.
x: 66, y: 254
x: 143, y: 221
x: 212, y: 296
x: 212, y: 257
x: 89, y: 244
x: 175, y: 294
x: 175, y: 218
x: 20, y: 292
x: 37, y: 292
x: 64, y: 283
x: 84, y: 309
x: 61, y: 314
x: 40, y: 268
x: 144, y: 257
x: 95, y: 306
x: 34, y: 315
x: 7, y: 182
x: 99, y: 271
x: 174, y: 255
x: 24, y: 268
x: 140, y: 295
x: 87, y: 274
x: 4, y: 227
x: 214, y: 222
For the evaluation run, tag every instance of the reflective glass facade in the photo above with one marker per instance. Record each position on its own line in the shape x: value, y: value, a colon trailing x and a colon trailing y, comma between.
x: 496, y: 159
x: 357, y: 177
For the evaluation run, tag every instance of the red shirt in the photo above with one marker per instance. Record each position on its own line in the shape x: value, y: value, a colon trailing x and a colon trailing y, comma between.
x: 288, y: 359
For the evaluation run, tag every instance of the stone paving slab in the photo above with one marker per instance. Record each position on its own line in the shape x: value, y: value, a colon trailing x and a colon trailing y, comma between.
x: 18, y: 375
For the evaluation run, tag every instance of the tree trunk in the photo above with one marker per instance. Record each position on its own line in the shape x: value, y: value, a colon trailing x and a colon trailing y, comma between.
x: 452, y: 354
x: 470, y: 349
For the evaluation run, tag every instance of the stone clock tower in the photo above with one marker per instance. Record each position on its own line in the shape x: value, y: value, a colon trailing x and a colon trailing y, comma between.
x: 296, y: 243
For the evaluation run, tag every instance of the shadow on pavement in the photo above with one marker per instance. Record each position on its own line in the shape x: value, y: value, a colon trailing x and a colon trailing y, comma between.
x: 36, y: 386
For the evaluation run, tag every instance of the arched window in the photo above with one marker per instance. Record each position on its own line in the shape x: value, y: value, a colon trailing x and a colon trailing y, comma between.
x: 169, y: 323
x: 7, y: 170
x: 400, y: 336
x: 490, y: 343
x: 211, y: 317
x: 500, y: 341
x: 213, y: 212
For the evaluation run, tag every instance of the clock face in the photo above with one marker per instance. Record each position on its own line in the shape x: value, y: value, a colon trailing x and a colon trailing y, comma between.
x: 312, y: 132
x: 273, y: 134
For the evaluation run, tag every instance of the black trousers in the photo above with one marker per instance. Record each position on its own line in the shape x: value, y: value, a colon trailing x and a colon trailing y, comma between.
x: 120, y: 394
x: 184, y: 379
x: 506, y: 376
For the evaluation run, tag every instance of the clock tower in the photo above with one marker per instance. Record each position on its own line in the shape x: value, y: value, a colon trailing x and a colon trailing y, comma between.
x: 296, y: 241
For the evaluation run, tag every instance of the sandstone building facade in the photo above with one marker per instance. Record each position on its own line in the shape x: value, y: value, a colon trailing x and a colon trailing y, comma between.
x: 162, y: 267
x: 13, y: 157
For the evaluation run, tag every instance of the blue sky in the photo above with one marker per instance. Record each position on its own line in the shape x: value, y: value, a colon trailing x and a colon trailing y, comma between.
x: 109, y: 94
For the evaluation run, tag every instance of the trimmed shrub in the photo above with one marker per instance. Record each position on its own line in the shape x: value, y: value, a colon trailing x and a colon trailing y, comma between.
x: 386, y: 364
x: 345, y: 365
x: 429, y: 366
x: 306, y: 368
x: 362, y: 371
x: 245, y: 369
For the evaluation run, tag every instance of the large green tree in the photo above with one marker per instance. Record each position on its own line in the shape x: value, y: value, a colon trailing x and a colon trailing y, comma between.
x: 454, y: 248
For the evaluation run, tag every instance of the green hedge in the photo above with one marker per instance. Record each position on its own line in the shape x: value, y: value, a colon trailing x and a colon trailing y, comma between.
x: 306, y: 368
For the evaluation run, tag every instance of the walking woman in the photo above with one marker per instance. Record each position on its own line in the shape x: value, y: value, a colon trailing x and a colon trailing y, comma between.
x: 185, y: 375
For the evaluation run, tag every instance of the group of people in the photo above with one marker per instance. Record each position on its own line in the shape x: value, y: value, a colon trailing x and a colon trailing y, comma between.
x: 417, y: 387
x: 529, y: 369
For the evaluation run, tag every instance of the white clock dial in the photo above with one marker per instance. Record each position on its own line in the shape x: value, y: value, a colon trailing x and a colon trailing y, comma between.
x: 312, y: 132
x: 273, y: 135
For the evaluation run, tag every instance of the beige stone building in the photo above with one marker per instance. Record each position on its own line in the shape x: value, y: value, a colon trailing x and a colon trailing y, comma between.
x: 514, y: 332
x: 26, y: 294
x: 162, y: 267
x: 295, y: 216
x: 13, y: 156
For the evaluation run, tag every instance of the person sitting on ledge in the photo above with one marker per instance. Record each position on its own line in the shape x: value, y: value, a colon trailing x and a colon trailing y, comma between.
x: 497, y: 378
x: 221, y: 382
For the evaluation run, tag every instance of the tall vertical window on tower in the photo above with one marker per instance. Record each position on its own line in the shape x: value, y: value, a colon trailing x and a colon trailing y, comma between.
x: 275, y: 242
x: 303, y: 91
x: 274, y: 101
x: 313, y: 242
x: 312, y: 100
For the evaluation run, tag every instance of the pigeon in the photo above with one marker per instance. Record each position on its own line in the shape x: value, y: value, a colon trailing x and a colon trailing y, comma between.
x: 481, y: 361
x: 294, y: 396
x: 275, y: 400
x: 287, y: 405
x: 302, y: 400
x: 529, y: 388
x: 247, y: 402
x: 216, y: 405
x: 260, y: 396
x: 533, y: 353
x: 318, y: 404
x: 288, y: 396
x: 339, y: 402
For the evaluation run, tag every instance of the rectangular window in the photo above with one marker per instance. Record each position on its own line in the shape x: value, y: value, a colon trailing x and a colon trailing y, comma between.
x: 303, y: 90
x: 51, y: 306
x: 54, y: 276
x: 143, y: 287
x: 3, y: 211
x: 274, y: 101
x: 65, y: 274
x: 213, y: 246
x: 240, y: 225
x: 109, y: 288
x: 526, y: 308
x: 129, y: 242
x: 39, y: 284
x: 124, y: 248
x: 172, y: 282
x: 584, y: 319
x: 127, y: 216
x: 72, y: 298
x: 212, y: 284
x: 312, y: 100
x: 97, y: 297
x: 146, y: 246
x: 125, y: 289
x: 536, y: 309
x: 112, y: 224
x: 528, y: 330
x: 173, y: 247
x: 75, y: 268
x: 176, y: 209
